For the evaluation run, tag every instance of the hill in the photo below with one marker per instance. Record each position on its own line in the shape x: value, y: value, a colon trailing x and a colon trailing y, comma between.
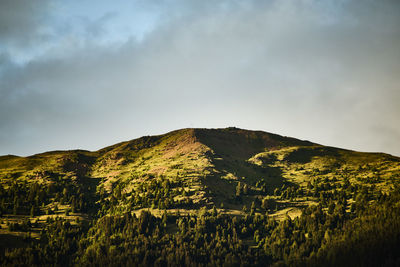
x: 261, y: 181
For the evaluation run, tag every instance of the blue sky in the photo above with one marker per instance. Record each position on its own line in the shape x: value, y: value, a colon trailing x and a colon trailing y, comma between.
x: 86, y: 74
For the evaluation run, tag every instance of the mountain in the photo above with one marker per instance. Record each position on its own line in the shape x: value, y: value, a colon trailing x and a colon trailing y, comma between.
x: 185, y: 175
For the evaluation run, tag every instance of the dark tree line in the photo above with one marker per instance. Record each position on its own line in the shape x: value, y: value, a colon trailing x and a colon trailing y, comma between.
x: 324, y: 235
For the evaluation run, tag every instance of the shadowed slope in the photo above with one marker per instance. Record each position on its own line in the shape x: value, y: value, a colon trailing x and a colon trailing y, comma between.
x: 243, y: 144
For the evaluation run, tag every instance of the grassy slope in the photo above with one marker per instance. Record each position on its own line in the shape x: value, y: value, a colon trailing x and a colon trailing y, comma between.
x: 209, y: 162
x: 174, y: 155
x: 40, y: 167
x: 301, y: 164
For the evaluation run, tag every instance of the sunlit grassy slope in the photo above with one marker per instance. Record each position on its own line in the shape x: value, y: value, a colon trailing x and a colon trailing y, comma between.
x: 205, y: 166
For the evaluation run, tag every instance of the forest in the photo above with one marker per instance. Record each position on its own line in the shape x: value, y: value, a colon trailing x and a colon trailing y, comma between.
x: 332, y: 233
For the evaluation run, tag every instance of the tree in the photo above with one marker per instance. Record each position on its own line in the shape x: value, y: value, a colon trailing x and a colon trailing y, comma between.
x: 245, y: 189
x: 33, y: 211
x: 239, y: 189
x: 252, y: 208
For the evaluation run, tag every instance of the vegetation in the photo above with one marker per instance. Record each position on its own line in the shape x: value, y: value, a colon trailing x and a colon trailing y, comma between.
x: 198, y: 197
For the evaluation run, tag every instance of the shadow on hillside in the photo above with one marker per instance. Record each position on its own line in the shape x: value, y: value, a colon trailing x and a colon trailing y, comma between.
x: 251, y: 173
x: 224, y: 190
x: 89, y: 185
x: 305, y: 154
x: 8, y: 241
x: 242, y: 144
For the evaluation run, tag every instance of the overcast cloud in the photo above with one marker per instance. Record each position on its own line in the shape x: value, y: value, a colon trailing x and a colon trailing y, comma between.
x: 84, y: 74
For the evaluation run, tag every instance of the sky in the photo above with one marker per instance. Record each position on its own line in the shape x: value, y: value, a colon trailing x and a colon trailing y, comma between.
x: 85, y: 74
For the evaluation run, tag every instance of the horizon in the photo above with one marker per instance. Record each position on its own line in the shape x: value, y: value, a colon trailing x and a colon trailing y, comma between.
x: 85, y: 75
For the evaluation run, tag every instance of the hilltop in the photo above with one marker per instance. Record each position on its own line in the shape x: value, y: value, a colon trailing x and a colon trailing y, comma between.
x: 188, y: 173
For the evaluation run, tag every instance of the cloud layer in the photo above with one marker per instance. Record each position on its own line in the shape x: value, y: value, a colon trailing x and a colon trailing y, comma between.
x: 326, y: 71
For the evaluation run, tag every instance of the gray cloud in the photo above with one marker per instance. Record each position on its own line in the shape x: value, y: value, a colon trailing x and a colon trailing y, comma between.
x: 324, y: 71
x: 21, y: 21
